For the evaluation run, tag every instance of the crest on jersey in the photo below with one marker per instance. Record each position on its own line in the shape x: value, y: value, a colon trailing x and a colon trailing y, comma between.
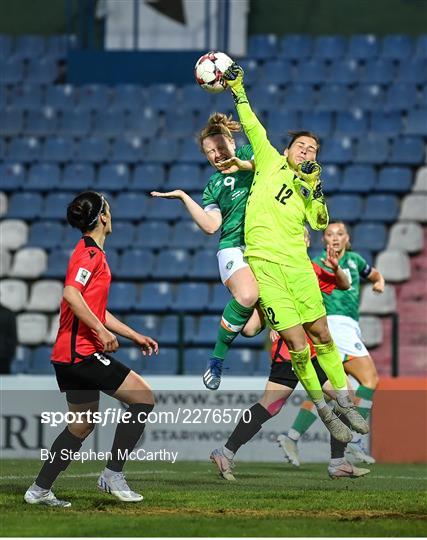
x: 304, y: 192
x: 82, y: 276
x: 352, y: 264
x: 358, y: 345
x: 229, y: 265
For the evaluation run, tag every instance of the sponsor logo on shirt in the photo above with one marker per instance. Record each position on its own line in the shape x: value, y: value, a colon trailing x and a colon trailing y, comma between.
x: 82, y: 276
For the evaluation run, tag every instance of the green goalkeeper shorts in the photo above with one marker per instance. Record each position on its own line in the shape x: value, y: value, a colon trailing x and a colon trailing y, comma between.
x: 287, y: 296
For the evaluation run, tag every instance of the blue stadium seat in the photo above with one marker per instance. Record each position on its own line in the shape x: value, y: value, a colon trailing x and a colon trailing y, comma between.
x: 311, y: 71
x: 421, y: 48
x: 25, y: 206
x: 145, y: 324
x: 206, y: 332
x: 112, y: 177
x: 337, y: 150
x: 318, y: 121
x: 153, y: 234
x: 347, y: 208
x: 26, y: 96
x: 24, y: 149
x: 136, y: 264
x: 351, y: 123
x: 423, y: 97
x: 172, y: 264
x: 163, y: 209
x: 42, y: 70
x: 344, y: 72
x: 332, y: 97
x: 220, y: 298
x: 184, y: 176
x: 94, y: 97
x: 58, y: 149
x: 412, y: 71
x: 397, y: 47
x: 6, y: 45
x: 3, y: 96
x: 191, y: 297
x: 204, y: 265
x: 124, y: 235
x: 383, y: 208
x: 22, y: 358
x: 122, y: 297
x: 394, y: 179
x: 192, y: 100
x: 165, y: 363
x: 299, y: 97
x: 386, y: 123
x: 77, y: 177
x: 378, y: 71
x: 113, y: 260
x: 130, y: 357
x: 46, y: 234
x: 280, y: 122
x: 407, y: 151
x: 372, y: 149
x: 58, y: 259
x: 144, y: 123
x: 358, y: 179
x: 71, y: 236
x: 178, y: 124
x: 61, y: 97
x: 363, y: 47
x: 43, y: 177
x: 92, y: 150
x: 195, y: 360
x: 220, y: 102
x: 370, y: 236
x: 186, y: 235
x: 128, y: 97
x: 277, y: 72
x: 41, y: 123
x: 330, y: 47
x: 155, y: 297
x: 74, y: 123
x: 368, y: 97
x: 148, y: 177
x: 58, y: 46
x: 296, y: 46
x: 331, y: 178
x: 401, y: 96
x: 167, y: 330
x: 12, y: 176
x: 2, y: 148
x: 241, y: 361
x: 11, y: 70
x: 29, y: 46
x: 189, y: 152
x: 163, y: 150
x: 162, y: 97
x: 40, y: 362
x: 110, y: 123
x: 262, y: 46
x: 11, y: 121
x: 129, y: 206
x: 416, y: 122
x: 55, y: 206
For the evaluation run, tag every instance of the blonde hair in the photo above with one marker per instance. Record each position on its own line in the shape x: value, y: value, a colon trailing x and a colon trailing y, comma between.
x: 218, y: 124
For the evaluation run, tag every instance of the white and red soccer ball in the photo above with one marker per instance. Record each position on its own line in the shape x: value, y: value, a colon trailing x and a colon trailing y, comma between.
x: 209, y: 70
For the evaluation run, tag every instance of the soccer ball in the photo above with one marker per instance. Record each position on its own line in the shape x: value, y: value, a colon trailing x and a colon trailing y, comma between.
x: 209, y: 69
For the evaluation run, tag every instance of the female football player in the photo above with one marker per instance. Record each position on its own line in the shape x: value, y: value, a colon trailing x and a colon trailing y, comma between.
x: 82, y: 361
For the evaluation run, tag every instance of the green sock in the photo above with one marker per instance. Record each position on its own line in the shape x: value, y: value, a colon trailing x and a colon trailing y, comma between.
x: 304, y: 420
x: 365, y: 396
x: 330, y: 361
x: 301, y: 363
x: 234, y: 318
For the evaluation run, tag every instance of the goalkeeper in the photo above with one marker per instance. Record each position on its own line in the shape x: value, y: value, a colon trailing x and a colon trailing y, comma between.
x: 286, y: 193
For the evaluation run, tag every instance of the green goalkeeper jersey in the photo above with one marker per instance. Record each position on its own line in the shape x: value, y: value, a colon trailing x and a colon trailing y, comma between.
x: 279, y: 203
x: 346, y: 302
x: 229, y: 193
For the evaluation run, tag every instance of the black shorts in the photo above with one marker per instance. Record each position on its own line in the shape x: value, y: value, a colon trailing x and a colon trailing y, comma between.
x: 83, y: 381
x: 282, y: 373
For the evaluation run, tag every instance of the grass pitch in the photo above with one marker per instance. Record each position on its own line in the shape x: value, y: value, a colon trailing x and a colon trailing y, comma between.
x: 189, y: 499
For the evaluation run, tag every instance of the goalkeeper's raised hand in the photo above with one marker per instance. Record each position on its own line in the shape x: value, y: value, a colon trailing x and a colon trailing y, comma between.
x: 233, y: 76
x: 309, y: 171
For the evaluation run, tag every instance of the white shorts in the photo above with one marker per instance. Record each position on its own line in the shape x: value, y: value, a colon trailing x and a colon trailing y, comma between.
x: 229, y: 261
x: 347, y: 335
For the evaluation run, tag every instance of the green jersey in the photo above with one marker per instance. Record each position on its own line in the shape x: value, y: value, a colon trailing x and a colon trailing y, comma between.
x: 346, y: 302
x: 279, y: 203
x: 229, y: 193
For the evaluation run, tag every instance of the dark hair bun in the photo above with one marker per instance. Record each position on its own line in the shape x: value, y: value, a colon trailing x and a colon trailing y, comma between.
x: 82, y: 212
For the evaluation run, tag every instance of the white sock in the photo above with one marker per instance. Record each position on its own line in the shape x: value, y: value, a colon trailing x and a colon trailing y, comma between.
x: 336, y: 462
x: 109, y: 472
x: 38, y: 489
x: 320, y: 403
x: 294, y: 434
x: 343, y: 397
x: 227, y: 453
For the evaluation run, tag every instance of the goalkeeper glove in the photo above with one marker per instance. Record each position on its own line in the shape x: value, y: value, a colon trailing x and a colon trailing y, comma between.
x: 309, y: 171
x: 233, y: 76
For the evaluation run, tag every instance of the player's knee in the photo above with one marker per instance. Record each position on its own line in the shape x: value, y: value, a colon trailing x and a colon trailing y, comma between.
x: 296, y: 345
x: 371, y: 380
x: 81, y: 430
x: 322, y: 336
x: 247, y: 298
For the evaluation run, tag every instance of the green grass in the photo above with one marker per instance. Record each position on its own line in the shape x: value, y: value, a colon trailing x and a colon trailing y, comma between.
x: 189, y: 499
